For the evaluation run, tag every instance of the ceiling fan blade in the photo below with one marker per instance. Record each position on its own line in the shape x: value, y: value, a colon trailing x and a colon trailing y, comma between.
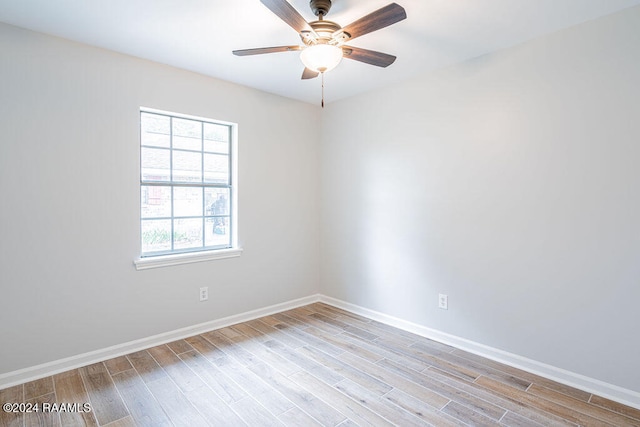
x: 372, y: 57
x: 383, y: 17
x: 309, y: 74
x: 288, y: 14
x: 261, y: 50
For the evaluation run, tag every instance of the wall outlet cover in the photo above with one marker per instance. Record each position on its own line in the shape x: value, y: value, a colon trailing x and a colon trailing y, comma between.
x: 204, y: 293
x: 443, y: 301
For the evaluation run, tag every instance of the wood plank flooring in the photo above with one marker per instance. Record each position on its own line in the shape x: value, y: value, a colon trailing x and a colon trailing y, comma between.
x: 312, y: 366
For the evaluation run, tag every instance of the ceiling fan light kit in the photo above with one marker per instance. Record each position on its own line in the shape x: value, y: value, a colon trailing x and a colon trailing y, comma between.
x: 323, y: 41
x: 321, y: 57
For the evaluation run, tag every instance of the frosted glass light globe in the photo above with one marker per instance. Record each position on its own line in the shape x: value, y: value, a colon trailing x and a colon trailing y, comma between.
x: 321, y: 57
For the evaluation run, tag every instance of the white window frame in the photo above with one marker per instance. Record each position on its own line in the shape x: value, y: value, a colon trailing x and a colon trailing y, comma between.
x: 147, y: 261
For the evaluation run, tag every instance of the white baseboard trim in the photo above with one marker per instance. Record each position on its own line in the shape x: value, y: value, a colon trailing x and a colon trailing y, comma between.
x: 55, y: 367
x: 591, y: 385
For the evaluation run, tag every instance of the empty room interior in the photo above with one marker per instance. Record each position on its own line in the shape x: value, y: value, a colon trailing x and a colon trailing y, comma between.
x: 441, y: 230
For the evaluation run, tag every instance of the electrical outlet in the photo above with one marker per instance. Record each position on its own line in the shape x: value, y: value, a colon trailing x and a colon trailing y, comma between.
x: 443, y: 301
x: 204, y: 293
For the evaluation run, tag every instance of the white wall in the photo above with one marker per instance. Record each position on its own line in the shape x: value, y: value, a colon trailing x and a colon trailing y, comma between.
x: 69, y: 191
x: 510, y: 183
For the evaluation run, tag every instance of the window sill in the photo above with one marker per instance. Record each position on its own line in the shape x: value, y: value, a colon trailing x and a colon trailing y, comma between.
x: 186, y: 258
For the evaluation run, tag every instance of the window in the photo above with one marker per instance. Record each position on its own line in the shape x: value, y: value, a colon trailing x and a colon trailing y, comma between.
x: 187, y: 184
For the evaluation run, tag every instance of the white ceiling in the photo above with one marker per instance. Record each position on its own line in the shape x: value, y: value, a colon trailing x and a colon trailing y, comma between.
x: 199, y: 35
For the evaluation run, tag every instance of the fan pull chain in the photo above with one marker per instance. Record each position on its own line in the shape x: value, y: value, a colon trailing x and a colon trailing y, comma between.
x: 322, y: 103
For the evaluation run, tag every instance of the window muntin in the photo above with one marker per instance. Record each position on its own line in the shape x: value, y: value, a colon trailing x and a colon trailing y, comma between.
x: 186, y: 184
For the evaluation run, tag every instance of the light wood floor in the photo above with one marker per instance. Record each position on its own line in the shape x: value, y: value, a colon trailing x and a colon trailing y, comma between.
x: 315, y: 365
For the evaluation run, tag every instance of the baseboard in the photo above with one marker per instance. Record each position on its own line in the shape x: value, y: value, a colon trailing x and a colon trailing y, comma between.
x: 51, y: 368
x: 597, y: 387
x: 591, y: 385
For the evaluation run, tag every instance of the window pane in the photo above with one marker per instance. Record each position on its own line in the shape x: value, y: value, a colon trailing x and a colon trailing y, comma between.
x: 155, y: 130
x: 216, y: 168
x: 216, y: 138
x: 187, y: 166
x: 187, y: 201
x: 217, y: 232
x: 155, y: 164
x: 190, y: 208
x: 187, y: 233
x: 155, y: 201
x: 187, y: 134
x: 156, y: 235
x: 216, y: 201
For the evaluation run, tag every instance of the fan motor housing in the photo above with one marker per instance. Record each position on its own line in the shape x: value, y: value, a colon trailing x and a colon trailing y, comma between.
x: 326, y: 31
x: 324, y: 27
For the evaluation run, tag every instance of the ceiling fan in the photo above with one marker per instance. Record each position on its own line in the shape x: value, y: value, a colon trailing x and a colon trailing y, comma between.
x: 324, y: 41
